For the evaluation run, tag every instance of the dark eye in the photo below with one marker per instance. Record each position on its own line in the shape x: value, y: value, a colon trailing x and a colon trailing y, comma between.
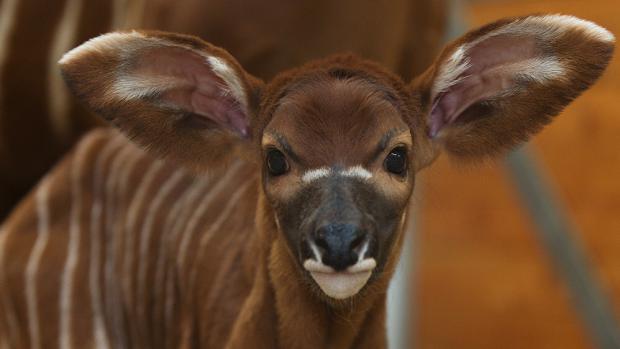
x: 396, y: 161
x: 276, y: 162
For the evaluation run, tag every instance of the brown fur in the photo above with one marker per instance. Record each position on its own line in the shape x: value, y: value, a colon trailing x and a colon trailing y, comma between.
x: 247, y: 287
x: 266, y: 36
x: 241, y: 284
x: 502, y: 123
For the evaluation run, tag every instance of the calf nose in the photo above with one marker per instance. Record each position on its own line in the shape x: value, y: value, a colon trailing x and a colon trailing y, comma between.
x: 339, y: 243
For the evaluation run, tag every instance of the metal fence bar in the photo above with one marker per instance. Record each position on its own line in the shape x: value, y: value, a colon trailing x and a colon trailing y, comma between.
x: 563, y: 245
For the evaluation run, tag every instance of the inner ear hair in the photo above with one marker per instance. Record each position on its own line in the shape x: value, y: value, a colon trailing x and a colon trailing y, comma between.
x: 175, y: 95
x: 497, y: 85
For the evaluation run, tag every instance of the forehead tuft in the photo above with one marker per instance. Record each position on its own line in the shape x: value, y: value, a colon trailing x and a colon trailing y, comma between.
x: 336, y: 117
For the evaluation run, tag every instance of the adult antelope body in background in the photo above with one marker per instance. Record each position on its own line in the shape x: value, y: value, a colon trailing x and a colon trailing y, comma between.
x: 274, y: 217
x: 39, y: 122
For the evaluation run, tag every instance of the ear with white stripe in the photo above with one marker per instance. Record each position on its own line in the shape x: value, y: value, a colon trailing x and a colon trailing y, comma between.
x: 176, y: 95
x: 496, y: 86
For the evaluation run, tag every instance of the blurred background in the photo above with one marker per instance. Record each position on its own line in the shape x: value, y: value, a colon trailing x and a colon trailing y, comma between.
x: 485, y: 277
x: 523, y: 253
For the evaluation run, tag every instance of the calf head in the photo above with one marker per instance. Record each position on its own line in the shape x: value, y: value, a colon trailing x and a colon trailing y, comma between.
x: 340, y: 140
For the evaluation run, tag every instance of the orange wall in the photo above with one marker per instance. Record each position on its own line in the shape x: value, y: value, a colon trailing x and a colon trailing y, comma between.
x: 483, y: 278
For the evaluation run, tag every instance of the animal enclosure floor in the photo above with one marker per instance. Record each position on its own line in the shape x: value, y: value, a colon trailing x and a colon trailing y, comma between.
x: 483, y: 278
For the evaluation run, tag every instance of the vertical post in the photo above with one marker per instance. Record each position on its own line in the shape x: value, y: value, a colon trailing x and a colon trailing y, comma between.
x: 399, y: 322
x: 562, y: 243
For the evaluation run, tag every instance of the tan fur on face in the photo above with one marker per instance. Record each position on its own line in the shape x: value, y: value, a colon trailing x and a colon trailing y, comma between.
x: 355, y: 116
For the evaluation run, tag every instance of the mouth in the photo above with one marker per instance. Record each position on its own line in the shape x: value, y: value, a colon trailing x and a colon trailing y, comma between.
x: 341, y: 284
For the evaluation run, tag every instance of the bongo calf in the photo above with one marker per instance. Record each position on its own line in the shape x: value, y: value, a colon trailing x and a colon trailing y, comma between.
x: 260, y: 215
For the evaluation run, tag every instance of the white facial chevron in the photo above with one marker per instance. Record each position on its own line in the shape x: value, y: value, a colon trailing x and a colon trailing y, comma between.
x: 321, y: 172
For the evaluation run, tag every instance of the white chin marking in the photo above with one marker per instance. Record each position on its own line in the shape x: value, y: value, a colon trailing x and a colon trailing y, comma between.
x: 343, y: 284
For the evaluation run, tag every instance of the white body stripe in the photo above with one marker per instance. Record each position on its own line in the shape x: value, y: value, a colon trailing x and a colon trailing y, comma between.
x: 145, y: 234
x: 166, y: 240
x: 119, y: 8
x: 136, y: 203
x: 7, y: 305
x: 122, y: 168
x: 63, y: 40
x: 188, y: 202
x: 8, y: 9
x: 127, y: 14
x: 32, y: 268
x: 66, y: 287
x: 222, y: 217
x: 201, y: 209
x: 99, y: 331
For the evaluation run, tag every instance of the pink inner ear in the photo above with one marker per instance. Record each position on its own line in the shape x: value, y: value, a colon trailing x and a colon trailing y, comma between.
x: 494, y: 63
x: 185, y: 80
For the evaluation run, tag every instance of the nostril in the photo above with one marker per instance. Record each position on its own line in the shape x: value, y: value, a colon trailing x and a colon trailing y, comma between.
x: 321, y: 242
x: 357, y: 242
x: 339, y: 244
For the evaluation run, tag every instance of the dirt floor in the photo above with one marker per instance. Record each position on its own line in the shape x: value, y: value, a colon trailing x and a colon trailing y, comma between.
x: 483, y: 278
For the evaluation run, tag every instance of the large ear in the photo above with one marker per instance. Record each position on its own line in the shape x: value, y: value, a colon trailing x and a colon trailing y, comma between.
x: 496, y: 86
x: 175, y: 95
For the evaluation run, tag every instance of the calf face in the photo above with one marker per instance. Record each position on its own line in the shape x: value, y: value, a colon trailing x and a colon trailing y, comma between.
x: 340, y: 140
x: 338, y: 152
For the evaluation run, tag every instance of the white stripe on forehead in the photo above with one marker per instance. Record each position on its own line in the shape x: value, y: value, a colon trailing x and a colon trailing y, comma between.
x: 317, y: 173
x: 356, y: 171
